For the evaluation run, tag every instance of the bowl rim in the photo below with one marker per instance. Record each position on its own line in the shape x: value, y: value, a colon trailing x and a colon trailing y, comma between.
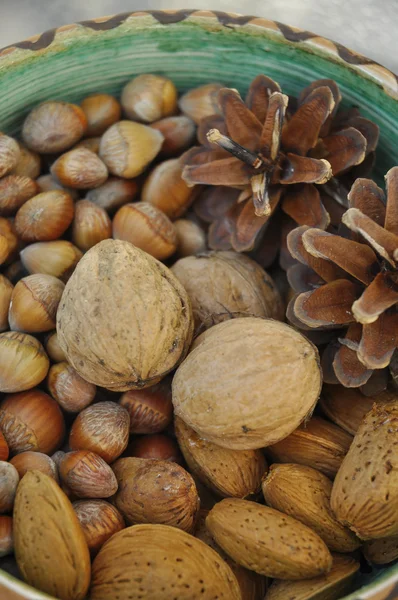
x: 55, y: 39
x: 19, y: 52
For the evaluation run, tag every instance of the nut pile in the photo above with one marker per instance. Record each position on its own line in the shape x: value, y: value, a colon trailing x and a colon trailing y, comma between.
x: 166, y: 428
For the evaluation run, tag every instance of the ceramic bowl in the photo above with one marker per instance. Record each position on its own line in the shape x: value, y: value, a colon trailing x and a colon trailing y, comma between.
x: 193, y: 47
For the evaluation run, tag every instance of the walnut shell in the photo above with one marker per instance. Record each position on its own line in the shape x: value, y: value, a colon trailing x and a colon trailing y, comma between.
x: 226, y: 285
x: 124, y: 320
x: 247, y: 383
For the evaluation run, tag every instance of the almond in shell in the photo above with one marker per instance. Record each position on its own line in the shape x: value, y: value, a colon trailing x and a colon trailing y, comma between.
x: 228, y: 473
x: 382, y: 551
x: 266, y: 541
x: 304, y: 493
x: 365, y: 491
x: 157, y: 562
x: 50, y: 547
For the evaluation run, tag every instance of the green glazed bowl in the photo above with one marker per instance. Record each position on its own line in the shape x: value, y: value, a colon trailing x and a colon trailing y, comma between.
x: 193, y: 47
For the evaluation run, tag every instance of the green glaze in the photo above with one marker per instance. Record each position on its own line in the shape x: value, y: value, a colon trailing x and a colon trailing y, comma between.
x: 196, y: 49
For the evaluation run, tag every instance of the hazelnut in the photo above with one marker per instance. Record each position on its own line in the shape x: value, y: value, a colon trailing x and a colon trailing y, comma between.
x: 92, y: 144
x: 53, y: 127
x: 99, y: 520
x: 58, y: 457
x: 9, y: 154
x: 34, y: 303
x: 91, y: 225
x: 141, y: 343
x: 4, y: 249
x: 156, y: 491
x: 29, y: 461
x: 7, y: 230
x: 191, y: 239
x: 127, y: 148
x: 47, y: 183
x: 178, y: 132
x: 45, y: 216
x: 156, y: 446
x: 9, y: 480
x: 58, y: 258
x: 112, y: 194
x: 87, y: 475
x: 80, y: 168
x: 201, y: 102
x: 227, y: 285
x: 165, y: 189
x: 102, y: 111
x: 70, y: 390
x: 148, y: 98
x: 29, y: 163
x: 23, y: 362
x: 31, y: 421
x: 15, y: 190
x: 6, y: 288
x: 150, y: 410
x: 102, y: 428
x: 6, y: 536
x: 53, y: 348
x: 4, y: 450
x: 147, y: 227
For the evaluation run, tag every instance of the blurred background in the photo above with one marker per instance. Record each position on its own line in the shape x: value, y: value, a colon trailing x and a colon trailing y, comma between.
x: 367, y: 26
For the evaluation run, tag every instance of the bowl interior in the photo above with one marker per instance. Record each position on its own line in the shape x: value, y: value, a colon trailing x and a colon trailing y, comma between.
x: 195, y: 47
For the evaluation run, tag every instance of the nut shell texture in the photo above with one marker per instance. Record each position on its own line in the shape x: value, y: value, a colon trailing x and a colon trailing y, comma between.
x: 159, y: 562
x: 118, y: 335
x: 247, y: 383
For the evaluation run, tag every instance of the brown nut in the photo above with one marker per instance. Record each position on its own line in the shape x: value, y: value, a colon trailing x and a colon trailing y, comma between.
x: 9, y: 154
x: 45, y: 216
x: 4, y: 249
x: 279, y: 366
x: 23, y: 362
x: 165, y: 189
x: 9, y: 480
x: 156, y: 491
x: 201, y: 102
x: 99, y: 520
x: 330, y: 586
x: 56, y: 561
x: 227, y: 285
x: 91, y: 225
x: 112, y: 194
x: 34, y: 461
x: 47, y: 183
x: 29, y: 163
x: 15, y: 190
x: 58, y: 258
x: 147, y: 227
x: 266, y: 541
x: 178, y: 132
x: 381, y: 551
x: 168, y: 563
x: 148, y: 98
x: 127, y: 148
x: 6, y: 536
x: 53, y: 127
x: 87, y: 475
x: 191, y: 239
x: 304, y: 493
x: 7, y: 229
x: 140, y: 346
x: 31, y: 420
x: 102, y: 428
x: 228, y: 473
x: 34, y: 303
x: 70, y: 390
x: 53, y: 348
x: 4, y: 450
x: 80, y: 169
x: 150, y: 410
x: 6, y: 289
x: 317, y: 444
x: 365, y: 491
x: 157, y: 446
x: 102, y: 111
